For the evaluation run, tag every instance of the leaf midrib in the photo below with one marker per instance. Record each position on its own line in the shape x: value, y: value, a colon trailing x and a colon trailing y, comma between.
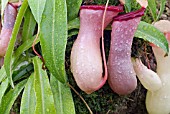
x: 53, y: 28
x: 152, y: 38
x: 60, y: 97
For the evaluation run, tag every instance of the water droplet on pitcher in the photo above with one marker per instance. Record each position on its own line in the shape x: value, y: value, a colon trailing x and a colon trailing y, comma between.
x: 119, y: 71
x: 165, y: 97
x: 77, y: 63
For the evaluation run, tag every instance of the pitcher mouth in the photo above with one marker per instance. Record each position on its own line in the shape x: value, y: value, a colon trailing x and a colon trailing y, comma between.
x: 102, y: 7
x: 131, y: 15
x: 15, y: 7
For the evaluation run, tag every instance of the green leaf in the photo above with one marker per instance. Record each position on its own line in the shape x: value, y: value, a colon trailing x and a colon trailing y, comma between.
x: 62, y: 96
x: 2, y: 73
x: 29, y: 25
x: 10, y: 97
x: 8, y: 56
x: 37, y: 8
x: 25, y: 46
x: 3, y: 5
x: 3, y: 88
x: 28, y: 101
x: 73, y: 27
x: 128, y: 5
x: 17, y: 64
x: 53, y: 37
x: 72, y: 32
x: 162, y: 7
x: 24, y: 71
x: 74, y: 24
x: 43, y: 93
x: 73, y: 7
x: 150, y: 33
x: 152, y: 7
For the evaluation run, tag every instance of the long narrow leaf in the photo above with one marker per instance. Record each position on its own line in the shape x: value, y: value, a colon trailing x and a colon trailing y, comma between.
x: 2, y: 73
x: 19, y: 63
x: 150, y: 33
x: 152, y: 7
x: 128, y: 5
x: 3, y: 88
x: 22, y: 72
x: 74, y: 24
x: 37, y: 8
x: 62, y: 96
x: 28, y: 98
x: 73, y: 7
x: 25, y: 46
x: 53, y: 37
x: 8, y: 56
x: 10, y: 97
x: 43, y: 93
x: 162, y: 7
x: 29, y: 25
x: 73, y: 32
